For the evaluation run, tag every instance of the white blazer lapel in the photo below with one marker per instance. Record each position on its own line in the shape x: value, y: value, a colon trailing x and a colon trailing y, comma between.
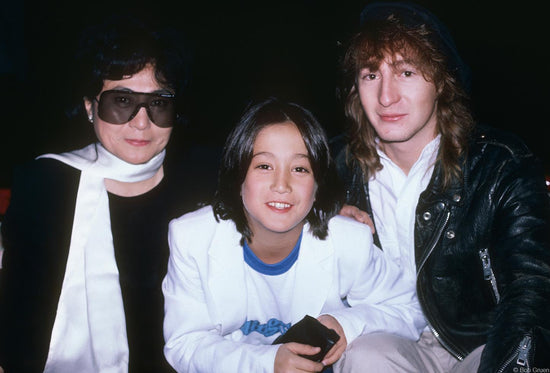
x: 314, y: 274
x: 226, y: 277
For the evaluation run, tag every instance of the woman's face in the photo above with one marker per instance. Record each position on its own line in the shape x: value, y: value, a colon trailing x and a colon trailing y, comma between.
x: 139, y: 139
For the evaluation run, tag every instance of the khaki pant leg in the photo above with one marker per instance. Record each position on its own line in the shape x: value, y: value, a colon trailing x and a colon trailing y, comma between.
x: 387, y: 353
x: 470, y: 363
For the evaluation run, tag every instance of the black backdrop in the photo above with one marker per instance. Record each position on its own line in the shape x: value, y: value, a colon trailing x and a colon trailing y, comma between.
x: 248, y: 50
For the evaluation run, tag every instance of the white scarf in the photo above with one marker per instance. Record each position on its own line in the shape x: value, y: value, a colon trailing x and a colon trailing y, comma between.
x: 89, y: 332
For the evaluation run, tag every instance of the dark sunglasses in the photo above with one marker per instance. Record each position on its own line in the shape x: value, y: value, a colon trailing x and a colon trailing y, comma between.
x: 119, y: 107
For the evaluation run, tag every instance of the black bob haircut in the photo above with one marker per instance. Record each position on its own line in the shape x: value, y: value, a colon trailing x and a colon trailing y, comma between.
x: 121, y: 46
x: 237, y: 156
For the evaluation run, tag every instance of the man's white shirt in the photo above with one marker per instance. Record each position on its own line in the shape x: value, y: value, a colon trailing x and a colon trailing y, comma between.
x: 394, y: 196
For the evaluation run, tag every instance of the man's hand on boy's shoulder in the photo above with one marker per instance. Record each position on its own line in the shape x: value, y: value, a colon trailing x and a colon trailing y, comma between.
x: 357, y: 214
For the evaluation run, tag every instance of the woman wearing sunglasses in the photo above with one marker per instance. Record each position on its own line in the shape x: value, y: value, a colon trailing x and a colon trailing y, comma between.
x: 85, y: 233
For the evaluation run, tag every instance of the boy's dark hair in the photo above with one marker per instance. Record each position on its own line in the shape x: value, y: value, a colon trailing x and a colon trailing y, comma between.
x: 237, y: 156
x: 122, y: 46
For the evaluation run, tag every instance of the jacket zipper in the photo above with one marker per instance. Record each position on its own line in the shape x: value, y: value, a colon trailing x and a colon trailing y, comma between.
x: 522, y: 353
x: 488, y: 273
x: 524, y: 349
x: 444, y: 344
x: 433, y: 243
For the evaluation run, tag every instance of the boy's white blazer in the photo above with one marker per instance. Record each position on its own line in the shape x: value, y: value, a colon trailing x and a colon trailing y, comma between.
x: 206, y: 296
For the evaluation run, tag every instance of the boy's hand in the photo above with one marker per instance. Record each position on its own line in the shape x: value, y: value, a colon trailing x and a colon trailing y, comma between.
x: 338, y: 349
x: 357, y: 214
x: 288, y: 360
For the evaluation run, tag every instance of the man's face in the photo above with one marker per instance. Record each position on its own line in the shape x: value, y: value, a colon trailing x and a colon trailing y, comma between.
x: 399, y: 103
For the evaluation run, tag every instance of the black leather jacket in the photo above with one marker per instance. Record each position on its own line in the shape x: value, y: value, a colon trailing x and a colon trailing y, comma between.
x: 482, y: 251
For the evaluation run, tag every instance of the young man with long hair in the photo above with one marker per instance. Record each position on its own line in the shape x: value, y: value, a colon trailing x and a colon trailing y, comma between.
x: 462, y: 208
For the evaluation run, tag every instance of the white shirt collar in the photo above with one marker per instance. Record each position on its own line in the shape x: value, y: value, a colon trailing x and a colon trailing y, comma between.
x: 425, y: 160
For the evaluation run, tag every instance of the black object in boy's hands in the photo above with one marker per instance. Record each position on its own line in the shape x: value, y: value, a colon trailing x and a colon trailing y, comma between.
x: 311, y: 332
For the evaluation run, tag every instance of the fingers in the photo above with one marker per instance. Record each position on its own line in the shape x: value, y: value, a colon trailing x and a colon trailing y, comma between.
x: 335, y: 352
x: 338, y: 349
x: 359, y: 215
x: 349, y: 211
x: 330, y: 322
x: 287, y: 358
x: 302, y: 349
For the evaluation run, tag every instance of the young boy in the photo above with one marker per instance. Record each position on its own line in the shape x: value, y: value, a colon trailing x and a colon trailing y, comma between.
x: 269, y: 252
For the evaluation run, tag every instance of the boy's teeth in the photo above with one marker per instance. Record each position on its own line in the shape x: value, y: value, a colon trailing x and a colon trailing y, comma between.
x: 279, y: 205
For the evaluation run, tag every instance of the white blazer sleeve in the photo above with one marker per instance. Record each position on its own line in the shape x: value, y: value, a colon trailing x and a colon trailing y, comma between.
x: 381, y: 299
x: 193, y: 337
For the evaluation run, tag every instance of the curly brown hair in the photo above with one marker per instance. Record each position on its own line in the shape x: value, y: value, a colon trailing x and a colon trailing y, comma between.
x: 381, y: 39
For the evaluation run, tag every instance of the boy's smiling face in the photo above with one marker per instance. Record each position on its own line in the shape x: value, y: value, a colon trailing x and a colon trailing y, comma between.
x: 279, y: 188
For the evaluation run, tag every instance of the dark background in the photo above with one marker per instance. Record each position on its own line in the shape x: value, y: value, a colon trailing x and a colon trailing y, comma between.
x: 248, y: 50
